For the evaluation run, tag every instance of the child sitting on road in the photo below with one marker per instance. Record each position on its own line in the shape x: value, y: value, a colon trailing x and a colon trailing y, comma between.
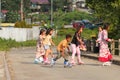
x: 63, y: 51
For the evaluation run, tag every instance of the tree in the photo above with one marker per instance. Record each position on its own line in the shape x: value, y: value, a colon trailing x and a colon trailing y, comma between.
x: 12, y: 17
x: 14, y: 5
x: 58, y: 4
x: 108, y: 11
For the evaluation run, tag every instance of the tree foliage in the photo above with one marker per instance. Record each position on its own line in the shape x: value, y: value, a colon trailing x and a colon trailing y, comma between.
x: 13, y: 8
x: 108, y: 11
x: 14, y: 5
x: 12, y: 17
x: 58, y: 4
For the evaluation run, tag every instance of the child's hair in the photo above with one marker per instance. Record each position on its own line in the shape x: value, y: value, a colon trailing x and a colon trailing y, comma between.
x: 106, y: 25
x: 100, y: 27
x: 48, y: 31
x: 68, y: 36
x: 80, y: 26
x: 41, y: 31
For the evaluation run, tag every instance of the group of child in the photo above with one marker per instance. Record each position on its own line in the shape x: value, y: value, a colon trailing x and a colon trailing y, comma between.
x: 45, y: 42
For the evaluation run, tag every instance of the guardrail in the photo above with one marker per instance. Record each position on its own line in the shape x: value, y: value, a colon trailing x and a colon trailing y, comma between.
x: 114, y: 46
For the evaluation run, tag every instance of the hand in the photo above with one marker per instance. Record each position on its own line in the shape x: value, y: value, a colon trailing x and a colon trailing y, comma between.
x: 112, y: 40
x: 97, y: 41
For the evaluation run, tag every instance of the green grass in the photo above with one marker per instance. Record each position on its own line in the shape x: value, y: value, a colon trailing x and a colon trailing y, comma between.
x: 57, y: 39
x: 5, y: 45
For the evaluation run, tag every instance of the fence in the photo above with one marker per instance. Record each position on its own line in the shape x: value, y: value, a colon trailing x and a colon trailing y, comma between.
x: 114, y: 46
x: 20, y: 34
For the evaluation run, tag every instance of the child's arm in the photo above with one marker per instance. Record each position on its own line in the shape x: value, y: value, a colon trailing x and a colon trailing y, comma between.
x: 79, y: 39
x: 51, y: 41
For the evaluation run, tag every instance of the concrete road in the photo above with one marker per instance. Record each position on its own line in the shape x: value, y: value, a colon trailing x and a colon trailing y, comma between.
x: 25, y: 69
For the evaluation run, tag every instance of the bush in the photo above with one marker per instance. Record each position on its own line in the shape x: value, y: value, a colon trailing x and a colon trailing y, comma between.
x: 22, y: 24
x: 64, y: 31
x: 87, y: 33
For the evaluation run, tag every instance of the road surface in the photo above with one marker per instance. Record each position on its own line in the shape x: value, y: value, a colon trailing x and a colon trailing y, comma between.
x: 24, y: 68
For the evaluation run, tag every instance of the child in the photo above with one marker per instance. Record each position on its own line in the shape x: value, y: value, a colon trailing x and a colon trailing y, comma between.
x: 104, y: 54
x: 63, y: 51
x: 99, y: 34
x: 75, y: 44
x: 40, y: 48
x: 48, y: 42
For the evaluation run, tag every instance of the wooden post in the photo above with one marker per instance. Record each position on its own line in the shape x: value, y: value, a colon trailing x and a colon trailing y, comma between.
x: 119, y: 46
x: 113, y: 47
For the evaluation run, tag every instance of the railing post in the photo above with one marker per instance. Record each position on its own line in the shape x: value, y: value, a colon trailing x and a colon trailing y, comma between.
x: 92, y: 45
x: 119, y: 47
x: 113, y: 47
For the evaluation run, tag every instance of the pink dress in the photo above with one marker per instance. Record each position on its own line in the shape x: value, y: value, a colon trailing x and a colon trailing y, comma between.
x: 104, y: 53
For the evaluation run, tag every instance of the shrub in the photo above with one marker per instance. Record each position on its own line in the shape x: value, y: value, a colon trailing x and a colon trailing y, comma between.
x: 22, y: 24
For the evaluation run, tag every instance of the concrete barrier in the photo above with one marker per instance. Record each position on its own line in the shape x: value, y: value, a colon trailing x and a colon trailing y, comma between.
x: 19, y: 34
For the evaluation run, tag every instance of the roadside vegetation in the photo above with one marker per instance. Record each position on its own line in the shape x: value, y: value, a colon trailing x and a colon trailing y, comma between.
x: 5, y: 45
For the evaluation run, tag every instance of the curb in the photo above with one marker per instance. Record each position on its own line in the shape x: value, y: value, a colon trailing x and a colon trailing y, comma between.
x: 7, y: 72
x: 90, y: 56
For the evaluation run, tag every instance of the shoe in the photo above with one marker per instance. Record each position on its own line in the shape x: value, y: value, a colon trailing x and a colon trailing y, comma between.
x: 107, y: 63
x: 67, y: 64
x: 52, y: 63
x: 73, y: 63
x: 80, y: 63
x: 36, y: 61
x: 46, y: 62
x: 41, y: 60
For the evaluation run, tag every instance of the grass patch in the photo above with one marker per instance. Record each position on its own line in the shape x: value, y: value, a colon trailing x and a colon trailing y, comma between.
x: 5, y: 45
x: 57, y: 39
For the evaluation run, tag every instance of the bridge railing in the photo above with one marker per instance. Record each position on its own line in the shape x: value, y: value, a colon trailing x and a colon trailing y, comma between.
x: 114, y: 46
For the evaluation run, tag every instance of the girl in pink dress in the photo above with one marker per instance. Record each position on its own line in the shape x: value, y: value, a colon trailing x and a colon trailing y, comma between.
x: 104, y: 53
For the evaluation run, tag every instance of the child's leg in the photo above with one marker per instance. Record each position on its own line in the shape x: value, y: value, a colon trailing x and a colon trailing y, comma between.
x: 48, y: 51
x: 73, y: 53
x: 37, y: 60
x: 66, y: 60
x: 58, y: 56
x: 79, y: 55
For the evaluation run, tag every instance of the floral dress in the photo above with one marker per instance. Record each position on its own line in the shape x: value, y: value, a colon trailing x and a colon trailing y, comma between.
x: 40, y: 47
x: 104, y: 53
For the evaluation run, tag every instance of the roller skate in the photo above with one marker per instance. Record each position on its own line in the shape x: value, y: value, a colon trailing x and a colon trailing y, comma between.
x: 52, y: 62
x: 67, y: 64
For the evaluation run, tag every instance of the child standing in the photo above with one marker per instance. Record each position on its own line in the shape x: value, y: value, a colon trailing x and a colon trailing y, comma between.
x: 40, y: 48
x: 63, y: 51
x: 104, y: 54
x: 75, y: 44
x: 48, y: 42
x: 99, y: 34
